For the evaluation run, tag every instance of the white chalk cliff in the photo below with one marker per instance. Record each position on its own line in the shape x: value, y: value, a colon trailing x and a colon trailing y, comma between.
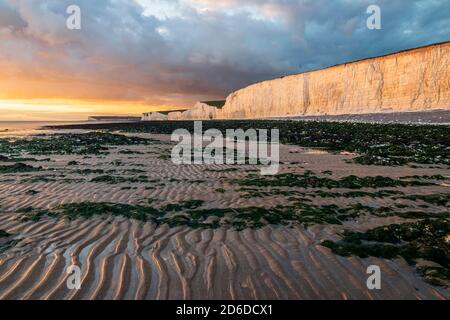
x: 412, y: 80
x: 200, y: 111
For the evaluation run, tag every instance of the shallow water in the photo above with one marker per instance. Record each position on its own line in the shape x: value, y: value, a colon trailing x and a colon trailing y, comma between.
x: 26, y: 128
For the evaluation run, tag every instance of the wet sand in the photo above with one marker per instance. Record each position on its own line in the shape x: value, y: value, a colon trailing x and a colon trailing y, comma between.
x: 128, y: 259
x: 418, y: 117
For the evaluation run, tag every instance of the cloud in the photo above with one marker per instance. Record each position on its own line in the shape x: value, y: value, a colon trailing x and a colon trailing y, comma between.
x: 176, y: 52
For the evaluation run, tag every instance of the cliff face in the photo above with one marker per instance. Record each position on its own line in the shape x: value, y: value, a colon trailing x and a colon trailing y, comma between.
x: 200, y: 111
x: 412, y: 80
x: 151, y: 116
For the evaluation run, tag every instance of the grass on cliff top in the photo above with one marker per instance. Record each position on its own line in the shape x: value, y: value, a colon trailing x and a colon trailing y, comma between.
x: 377, y: 144
x: 71, y: 143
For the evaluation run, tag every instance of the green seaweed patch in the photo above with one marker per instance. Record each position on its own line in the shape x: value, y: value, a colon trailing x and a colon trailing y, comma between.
x: 4, y: 234
x: 381, y: 144
x: 189, y: 204
x: 426, y: 240
x: 47, y: 179
x: 118, y: 179
x: 356, y: 194
x: 90, y: 171
x: 308, y: 180
x: 6, y: 244
x: 238, y: 218
x: 33, y: 214
x: 223, y: 170
x: 438, y: 177
x: 134, y: 171
x: 80, y: 144
x: 386, y: 160
x: 436, y: 199
x: 437, y: 276
x: 129, y: 152
x: 20, y: 159
x: 90, y: 209
x: 188, y: 213
x: 19, y: 168
x: 165, y: 156
x: 258, y: 217
x: 256, y: 193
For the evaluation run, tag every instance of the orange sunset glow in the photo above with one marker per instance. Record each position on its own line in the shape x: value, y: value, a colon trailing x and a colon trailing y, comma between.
x: 127, y: 57
x: 70, y: 110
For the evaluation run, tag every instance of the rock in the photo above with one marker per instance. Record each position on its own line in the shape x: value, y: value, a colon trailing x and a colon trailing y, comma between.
x: 413, y: 80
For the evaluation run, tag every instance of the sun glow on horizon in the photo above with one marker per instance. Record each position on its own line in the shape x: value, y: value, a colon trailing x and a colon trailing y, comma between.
x: 75, y: 110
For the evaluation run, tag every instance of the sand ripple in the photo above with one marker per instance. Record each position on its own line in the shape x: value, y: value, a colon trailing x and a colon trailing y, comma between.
x: 122, y: 259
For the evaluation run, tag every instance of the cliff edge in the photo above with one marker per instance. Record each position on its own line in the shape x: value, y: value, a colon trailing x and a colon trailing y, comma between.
x: 412, y: 80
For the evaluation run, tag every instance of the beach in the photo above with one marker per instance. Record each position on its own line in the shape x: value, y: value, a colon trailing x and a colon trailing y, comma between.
x: 129, y: 258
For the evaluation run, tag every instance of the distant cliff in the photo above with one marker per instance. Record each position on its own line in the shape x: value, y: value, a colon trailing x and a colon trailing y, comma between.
x: 412, y: 80
x: 200, y: 111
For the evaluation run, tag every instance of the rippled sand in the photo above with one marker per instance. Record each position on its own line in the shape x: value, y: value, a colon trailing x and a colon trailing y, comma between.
x: 128, y: 259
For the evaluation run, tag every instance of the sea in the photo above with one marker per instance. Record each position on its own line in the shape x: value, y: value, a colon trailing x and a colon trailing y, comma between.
x: 26, y: 128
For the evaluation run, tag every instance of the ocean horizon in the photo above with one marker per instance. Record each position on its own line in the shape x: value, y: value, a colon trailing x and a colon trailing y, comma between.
x: 29, y: 127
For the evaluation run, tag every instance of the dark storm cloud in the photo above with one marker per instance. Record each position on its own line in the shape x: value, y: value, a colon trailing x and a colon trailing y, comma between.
x: 207, y: 49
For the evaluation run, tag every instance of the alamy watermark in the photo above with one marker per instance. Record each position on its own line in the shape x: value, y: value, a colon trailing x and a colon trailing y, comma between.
x: 374, y: 20
x: 73, y: 281
x: 236, y: 147
x: 73, y: 21
x: 374, y: 280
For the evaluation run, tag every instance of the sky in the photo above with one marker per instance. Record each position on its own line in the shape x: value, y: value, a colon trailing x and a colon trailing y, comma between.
x: 134, y: 56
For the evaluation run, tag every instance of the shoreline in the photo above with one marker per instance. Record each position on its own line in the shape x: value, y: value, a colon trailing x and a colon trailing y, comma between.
x: 187, y: 249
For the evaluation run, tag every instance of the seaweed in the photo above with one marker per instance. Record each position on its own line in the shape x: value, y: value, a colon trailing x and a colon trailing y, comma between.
x: 15, y: 159
x: 438, y: 177
x: 223, y: 170
x: 79, y: 144
x: 436, y: 199
x: 34, y: 215
x: 4, y: 234
x: 46, y: 179
x: 190, y: 204
x: 31, y: 192
x: 377, y: 144
x: 88, y: 171
x: 426, y: 240
x: 437, y: 276
x: 255, y: 193
x: 128, y: 152
x: 118, y: 179
x: 307, y: 180
x: 19, y: 168
x: 239, y: 218
x: 299, y: 213
x: 89, y: 210
x: 6, y: 244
